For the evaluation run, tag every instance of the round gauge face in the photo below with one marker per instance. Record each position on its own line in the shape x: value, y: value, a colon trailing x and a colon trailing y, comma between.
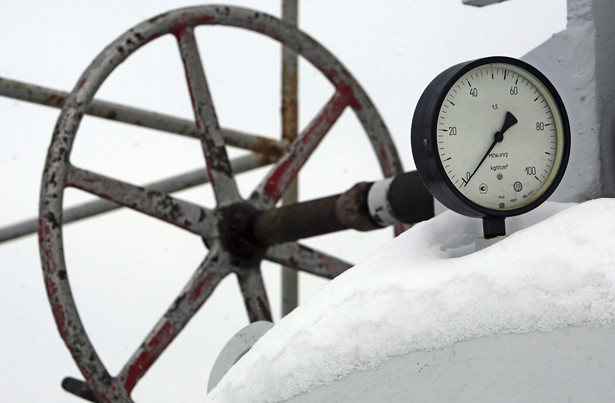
x: 492, y: 138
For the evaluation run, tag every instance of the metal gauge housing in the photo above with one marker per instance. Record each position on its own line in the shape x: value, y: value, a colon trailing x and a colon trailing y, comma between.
x: 491, y: 139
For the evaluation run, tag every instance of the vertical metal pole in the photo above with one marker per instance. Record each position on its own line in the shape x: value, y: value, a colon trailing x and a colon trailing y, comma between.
x: 290, y: 280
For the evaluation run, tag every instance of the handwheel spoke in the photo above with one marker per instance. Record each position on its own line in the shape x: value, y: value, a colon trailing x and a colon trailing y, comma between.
x: 285, y: 170
x: 213, y: 269
x: 254, y: 294
x: 300, y: 257
x: 212, y: 141
x: 188, y: 216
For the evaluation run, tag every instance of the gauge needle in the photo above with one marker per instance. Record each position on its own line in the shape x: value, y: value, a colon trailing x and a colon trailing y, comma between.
x: 509, y: 121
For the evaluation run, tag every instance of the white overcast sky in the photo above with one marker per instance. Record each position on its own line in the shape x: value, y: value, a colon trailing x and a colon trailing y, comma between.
x: 126, y: 269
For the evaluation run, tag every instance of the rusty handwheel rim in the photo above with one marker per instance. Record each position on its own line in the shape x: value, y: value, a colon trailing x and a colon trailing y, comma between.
x: 59, y: 173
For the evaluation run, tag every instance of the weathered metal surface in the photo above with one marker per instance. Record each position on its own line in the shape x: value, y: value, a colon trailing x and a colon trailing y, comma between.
x: 169, y: 185
x: 290, y: 72
x: 351, y: 208
x: 315, y: 217
x: 213, y: 269
x: 222, y: 258
x: 214, y: 149
x: 290, y: 129
x: 254, y: 294
x: 301, y: 257
x: 183, y: 214
x: 138, y: 117
x: 296, y: 221
x: 235, y: 229
x: 285, y: 170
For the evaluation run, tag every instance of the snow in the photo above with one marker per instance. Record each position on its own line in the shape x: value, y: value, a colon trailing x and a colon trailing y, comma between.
x: 435, y: 285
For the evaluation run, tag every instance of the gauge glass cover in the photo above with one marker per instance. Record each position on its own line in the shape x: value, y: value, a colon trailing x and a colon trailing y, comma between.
x: 498, y: 140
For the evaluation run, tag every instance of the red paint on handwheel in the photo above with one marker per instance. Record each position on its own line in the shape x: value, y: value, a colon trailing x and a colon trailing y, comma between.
x: 203, y: 284
x: 154, y: 348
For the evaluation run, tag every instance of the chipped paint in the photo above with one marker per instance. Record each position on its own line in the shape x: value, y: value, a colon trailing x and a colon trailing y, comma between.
x: 225, y: 254
x: 150, y: 353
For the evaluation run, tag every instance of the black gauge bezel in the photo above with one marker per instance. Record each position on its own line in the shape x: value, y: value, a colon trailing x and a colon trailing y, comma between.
x: 424, y: 144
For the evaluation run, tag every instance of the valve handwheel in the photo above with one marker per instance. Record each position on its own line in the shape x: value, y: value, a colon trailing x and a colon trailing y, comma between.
x: 231, y: 250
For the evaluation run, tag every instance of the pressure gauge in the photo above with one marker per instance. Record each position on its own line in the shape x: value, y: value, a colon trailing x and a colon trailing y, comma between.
x: 491, y: 139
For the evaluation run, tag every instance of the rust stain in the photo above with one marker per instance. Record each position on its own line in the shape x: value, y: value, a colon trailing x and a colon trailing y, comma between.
x: 269, y: 147
x: 55, y: 100
x: 265, y: 159
x: 289, y: 101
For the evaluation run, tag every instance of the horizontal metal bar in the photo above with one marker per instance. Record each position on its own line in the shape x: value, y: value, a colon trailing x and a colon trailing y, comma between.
x: 169, y: 185
x: 138, y: 117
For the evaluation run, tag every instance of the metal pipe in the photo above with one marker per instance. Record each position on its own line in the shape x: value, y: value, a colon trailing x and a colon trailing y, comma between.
x: 169, y: 185
x: 411, y: 203
x: 135, y: 116
x: 315, y: 217
x: 296, y: 221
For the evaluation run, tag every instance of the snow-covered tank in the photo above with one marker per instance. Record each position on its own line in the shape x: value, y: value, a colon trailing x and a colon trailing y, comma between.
x: 440, y: 314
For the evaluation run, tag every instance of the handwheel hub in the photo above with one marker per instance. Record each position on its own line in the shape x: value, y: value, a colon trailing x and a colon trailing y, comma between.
x: 235, y: 227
